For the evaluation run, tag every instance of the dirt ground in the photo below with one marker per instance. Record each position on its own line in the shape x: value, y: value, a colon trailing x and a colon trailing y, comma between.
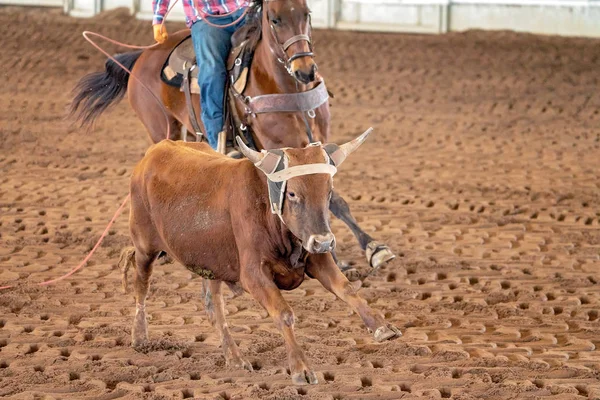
x: 482, y: 175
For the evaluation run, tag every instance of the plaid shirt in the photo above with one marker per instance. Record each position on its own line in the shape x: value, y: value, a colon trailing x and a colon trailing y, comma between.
x: 197, y: 9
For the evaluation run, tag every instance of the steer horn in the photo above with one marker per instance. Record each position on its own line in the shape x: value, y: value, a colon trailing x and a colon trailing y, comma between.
x: 250, y: 154
x: 339, y: 153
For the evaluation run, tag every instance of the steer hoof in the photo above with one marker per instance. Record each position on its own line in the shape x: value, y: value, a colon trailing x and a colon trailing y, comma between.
x: 164, y: 259
x: 388, y: 332
x: 240, y: 363
x: 138, y: 342
x: 304, y: 378
x: 378, y: 254
x: 349, y: 271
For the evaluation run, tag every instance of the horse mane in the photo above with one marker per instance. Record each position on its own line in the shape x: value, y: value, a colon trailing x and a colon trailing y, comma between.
x: 252, y: 28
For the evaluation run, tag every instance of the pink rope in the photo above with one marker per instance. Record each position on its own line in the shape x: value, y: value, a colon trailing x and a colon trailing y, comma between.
x: 241, y: 17
x: 86, y: 35
x: 87, y: 258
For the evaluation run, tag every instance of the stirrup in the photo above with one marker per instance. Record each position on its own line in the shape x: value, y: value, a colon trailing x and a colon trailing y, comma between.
x: 223, y: 148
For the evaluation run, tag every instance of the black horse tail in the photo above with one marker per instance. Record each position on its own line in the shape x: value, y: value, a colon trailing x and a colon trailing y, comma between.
x: 95, y: 92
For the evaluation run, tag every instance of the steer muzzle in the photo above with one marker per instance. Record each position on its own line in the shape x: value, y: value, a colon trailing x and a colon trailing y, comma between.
x: 323, y: 243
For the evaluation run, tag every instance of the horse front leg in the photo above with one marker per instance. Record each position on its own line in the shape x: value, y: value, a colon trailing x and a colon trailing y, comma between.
x: 377, y: 254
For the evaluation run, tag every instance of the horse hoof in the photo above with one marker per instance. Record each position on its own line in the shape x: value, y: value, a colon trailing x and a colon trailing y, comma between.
x: 388, y: 332
x: 378, y: 254
x: 305, y: 378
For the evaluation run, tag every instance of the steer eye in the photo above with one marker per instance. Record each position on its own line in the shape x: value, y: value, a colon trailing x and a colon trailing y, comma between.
x: 275, y: 21
x: 292, y: 196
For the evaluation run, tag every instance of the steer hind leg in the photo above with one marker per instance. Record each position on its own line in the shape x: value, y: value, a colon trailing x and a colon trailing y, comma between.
x: 261, y: 286
x: 323, y: 268
x: 378, y: 254
x: 215, y: 309
x: 141, y: 282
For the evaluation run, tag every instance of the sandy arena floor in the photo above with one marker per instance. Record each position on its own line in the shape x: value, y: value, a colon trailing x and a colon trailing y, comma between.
x: 482, y: 174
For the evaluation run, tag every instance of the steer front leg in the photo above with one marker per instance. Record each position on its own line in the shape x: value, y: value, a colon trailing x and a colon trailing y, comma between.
x: 323, y: 268
x: 257, y: 280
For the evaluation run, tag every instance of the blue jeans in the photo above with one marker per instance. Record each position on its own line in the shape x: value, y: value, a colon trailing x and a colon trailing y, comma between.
x: 212, y: 46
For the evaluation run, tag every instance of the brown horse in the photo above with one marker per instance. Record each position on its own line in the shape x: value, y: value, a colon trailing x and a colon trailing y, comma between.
x: 283, y: 63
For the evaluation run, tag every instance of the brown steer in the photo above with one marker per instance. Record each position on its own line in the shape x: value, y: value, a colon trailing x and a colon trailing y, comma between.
x: 262, y: 222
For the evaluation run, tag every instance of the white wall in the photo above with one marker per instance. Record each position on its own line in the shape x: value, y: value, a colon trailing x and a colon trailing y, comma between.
x: 555, y: 17
x: 424, y: 16
x: 567, y: 18
x: 37, y: 3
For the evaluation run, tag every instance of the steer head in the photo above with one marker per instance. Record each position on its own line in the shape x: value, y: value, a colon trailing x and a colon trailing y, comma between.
x: 300, y: 185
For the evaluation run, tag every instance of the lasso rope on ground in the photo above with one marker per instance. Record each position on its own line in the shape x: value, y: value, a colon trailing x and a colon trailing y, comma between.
x: 86, y: 35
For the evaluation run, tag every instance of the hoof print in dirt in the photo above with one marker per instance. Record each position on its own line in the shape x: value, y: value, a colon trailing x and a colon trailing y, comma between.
x: 388, y: 332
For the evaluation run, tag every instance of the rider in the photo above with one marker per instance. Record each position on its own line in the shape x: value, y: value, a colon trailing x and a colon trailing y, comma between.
x: 211, y: 45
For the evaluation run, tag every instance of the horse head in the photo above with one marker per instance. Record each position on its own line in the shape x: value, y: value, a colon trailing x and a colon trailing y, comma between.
x: 288, y: 24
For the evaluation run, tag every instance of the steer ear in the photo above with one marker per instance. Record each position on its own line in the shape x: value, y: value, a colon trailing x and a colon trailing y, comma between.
x: 250, y: 154
x: 339, y: 153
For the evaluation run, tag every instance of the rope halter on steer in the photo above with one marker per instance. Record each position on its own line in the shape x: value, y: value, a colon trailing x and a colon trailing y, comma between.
x: 274, y: 164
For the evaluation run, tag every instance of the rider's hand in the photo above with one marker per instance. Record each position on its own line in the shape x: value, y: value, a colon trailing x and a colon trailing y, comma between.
x: 160, y: 33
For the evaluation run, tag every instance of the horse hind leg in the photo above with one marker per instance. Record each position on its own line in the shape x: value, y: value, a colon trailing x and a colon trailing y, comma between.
x: 152, y: 113
x: 378, y: 254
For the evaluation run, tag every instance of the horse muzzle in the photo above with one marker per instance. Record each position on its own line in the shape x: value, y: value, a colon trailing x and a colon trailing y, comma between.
x: 306, y: 76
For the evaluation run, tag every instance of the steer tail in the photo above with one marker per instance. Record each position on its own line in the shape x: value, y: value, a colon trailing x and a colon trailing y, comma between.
x: 97, y: 91
x: 126, y: 260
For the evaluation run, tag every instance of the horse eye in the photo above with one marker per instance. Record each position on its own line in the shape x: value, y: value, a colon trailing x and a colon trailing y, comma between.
x: 291, y: 195
x: 275, y: 21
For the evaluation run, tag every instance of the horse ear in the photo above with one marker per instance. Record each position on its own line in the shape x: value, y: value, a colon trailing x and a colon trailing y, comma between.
x: 338, y: 154
x: 250, y: 154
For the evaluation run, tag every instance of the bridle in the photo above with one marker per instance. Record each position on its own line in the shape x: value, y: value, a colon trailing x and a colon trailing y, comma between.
x: 283, y: 47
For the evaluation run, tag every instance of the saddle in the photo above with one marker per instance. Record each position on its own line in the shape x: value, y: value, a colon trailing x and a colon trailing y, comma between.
x: 183, y: 59
x: 181, y: 71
